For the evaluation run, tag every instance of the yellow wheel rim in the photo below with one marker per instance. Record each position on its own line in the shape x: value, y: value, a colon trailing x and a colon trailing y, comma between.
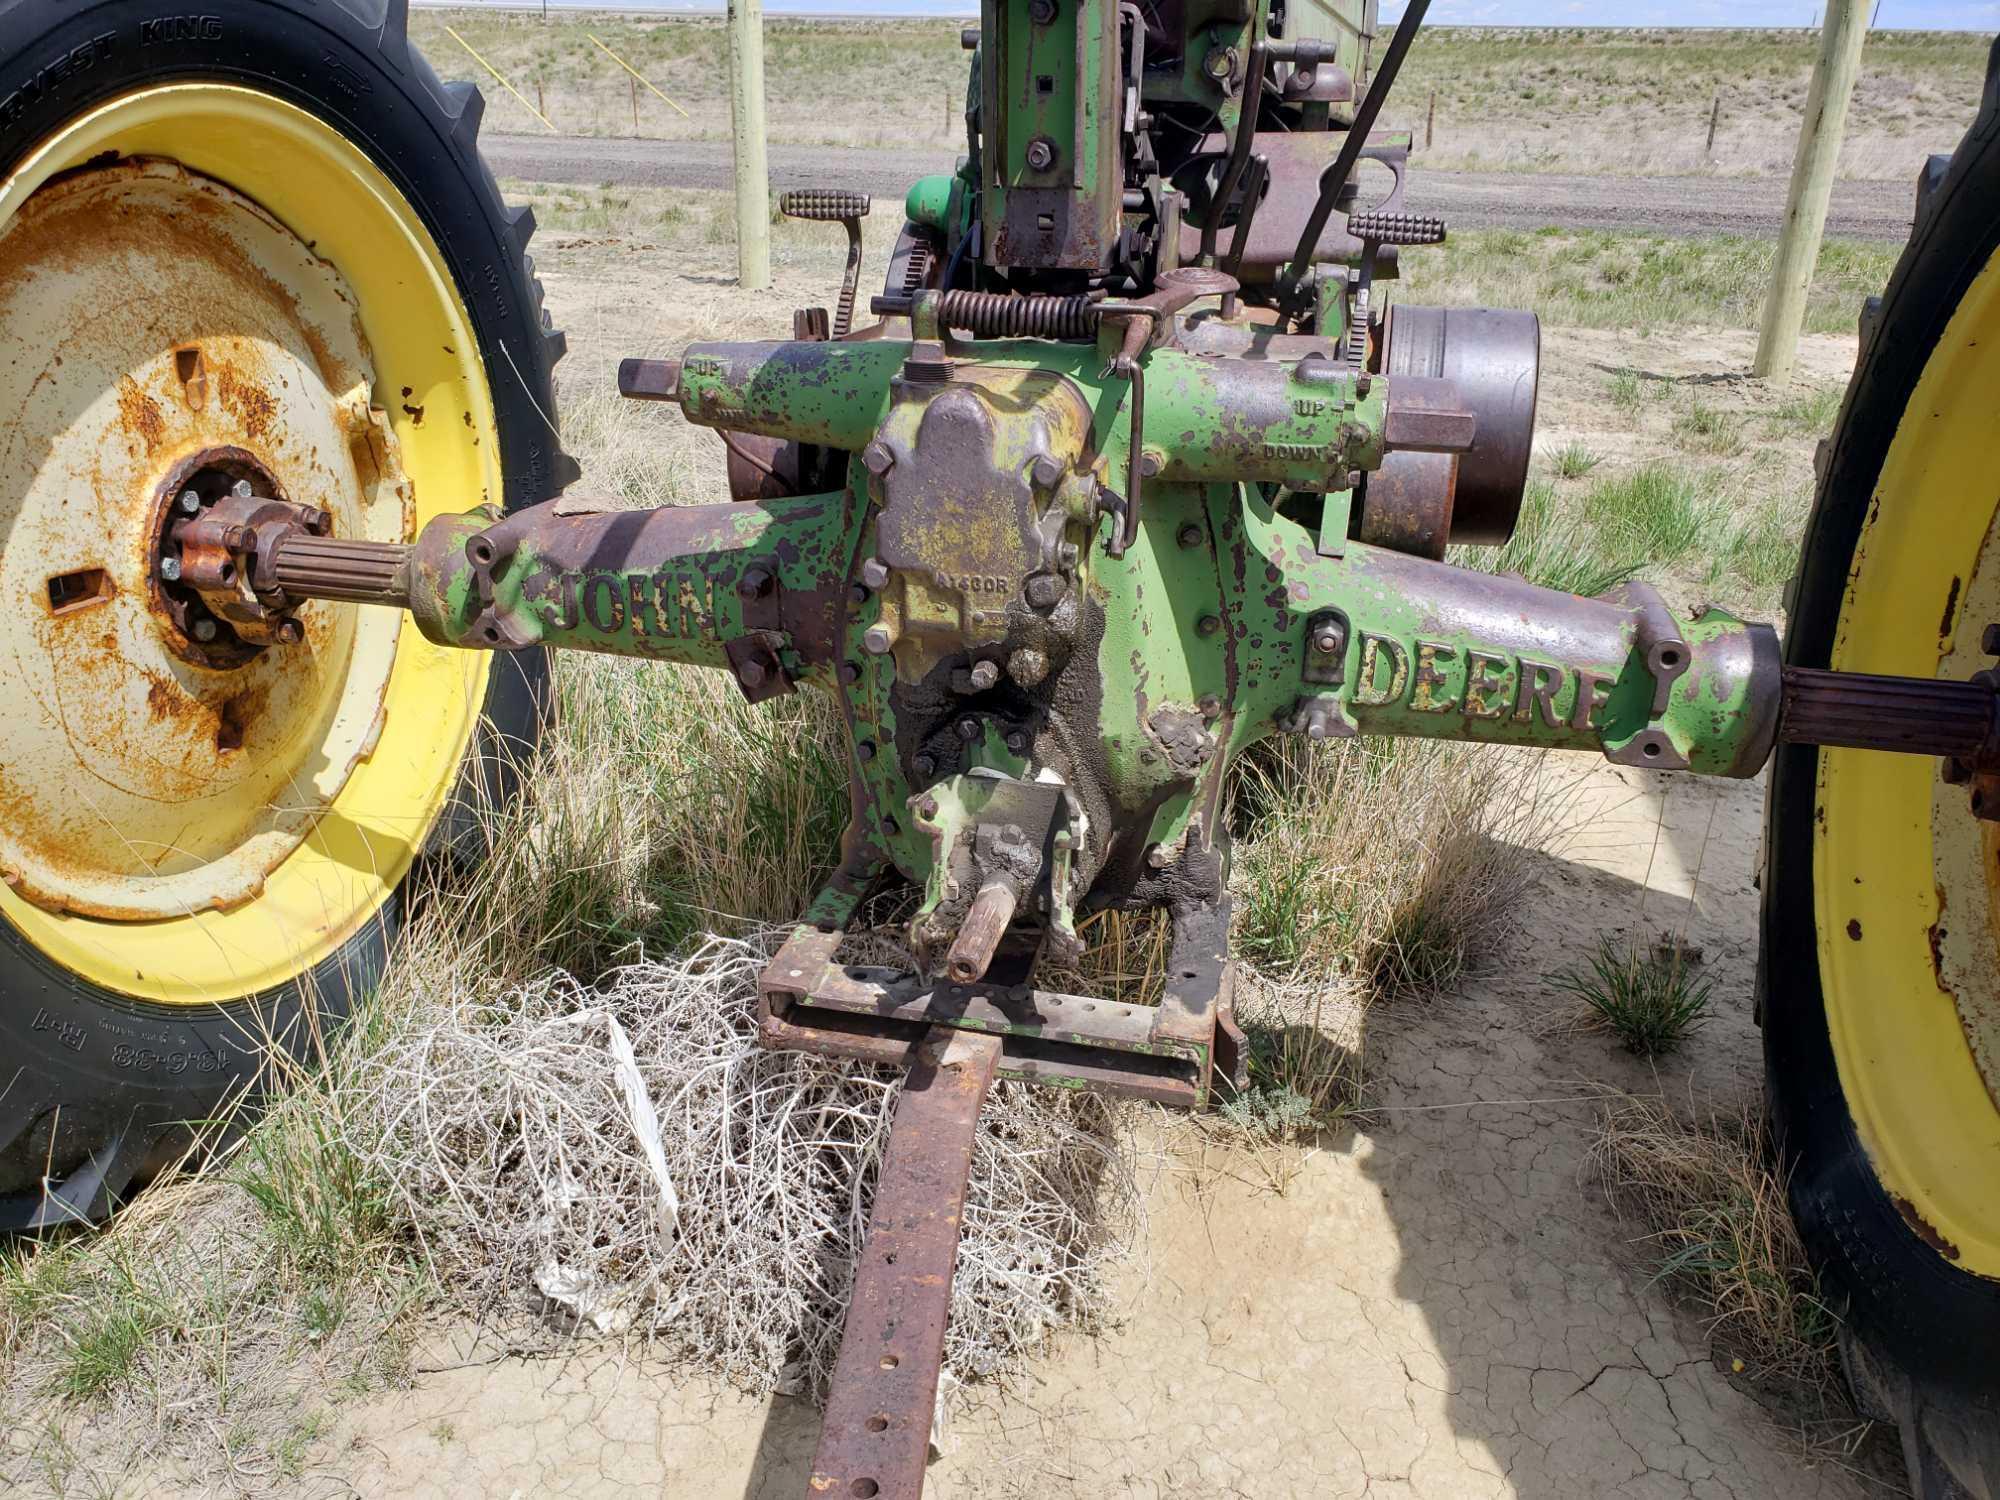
x: 311, y: 823
x: 1908, y: 960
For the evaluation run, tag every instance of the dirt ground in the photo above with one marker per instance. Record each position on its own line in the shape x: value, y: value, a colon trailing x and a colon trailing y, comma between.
x: 1439, y: 1303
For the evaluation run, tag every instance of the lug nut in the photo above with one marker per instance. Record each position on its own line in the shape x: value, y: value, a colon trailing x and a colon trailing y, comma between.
x: 1044, y: 590
x: 875, y: 573
x: 170, y: 569
x: 1047, y: 472
x: 204, y: 630
x: 188, y: 501
x: 984, y: 675
x: 968, y: 729
x: 1189, y: 535
x: 878, y: 459
x: 878, y: 640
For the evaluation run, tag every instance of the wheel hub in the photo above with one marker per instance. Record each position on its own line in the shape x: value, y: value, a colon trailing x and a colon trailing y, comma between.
x: 173, y: 359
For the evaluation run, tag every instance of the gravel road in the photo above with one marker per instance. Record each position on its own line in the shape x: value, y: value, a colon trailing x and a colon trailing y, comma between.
x: 1469, y: 200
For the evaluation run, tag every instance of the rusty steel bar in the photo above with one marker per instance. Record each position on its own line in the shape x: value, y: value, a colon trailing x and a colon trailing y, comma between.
x: 979, y: 935
x: 876, y: 1434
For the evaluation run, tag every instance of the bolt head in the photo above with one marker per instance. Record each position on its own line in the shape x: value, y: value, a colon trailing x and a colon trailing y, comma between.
x: 968, y: 729
x: 984, y: 674
x: 170, y: 569
x: 1189, y: 535
x: 1042, y: 12
x: 204, y: 630
x: 875, y: 573
x: 1045, y: 590
x: 1017, y: 742
x: 188, y: 501
x: 1326, y: 640
x: 1046, y: 471
x: 1041, y: 154
x: 1150, y: 464
x: 923, y: 765
x: 850, y: 672
x: 290, y: 632
x: 1210, y: 706
x: 751, y: 674
x: 878, y: 640
x: 1989, y: 640
x: 1208, y: 625
x: 236, y: 538
x: 241, y: 489
x: 1028, y: 666
x: 755, y: 583
x: 878, y: 459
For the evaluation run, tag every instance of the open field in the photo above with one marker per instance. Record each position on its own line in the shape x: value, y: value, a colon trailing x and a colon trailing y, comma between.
x: 1629, y: 103
x: 1419, y: 1258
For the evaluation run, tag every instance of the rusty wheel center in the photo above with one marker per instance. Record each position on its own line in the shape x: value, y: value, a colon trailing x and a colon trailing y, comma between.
x: 181, y: 382
x: 190, y: 517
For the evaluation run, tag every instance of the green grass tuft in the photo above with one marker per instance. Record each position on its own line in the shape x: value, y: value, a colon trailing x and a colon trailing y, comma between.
x: 1574, y: 460
x: 1651, y: 1001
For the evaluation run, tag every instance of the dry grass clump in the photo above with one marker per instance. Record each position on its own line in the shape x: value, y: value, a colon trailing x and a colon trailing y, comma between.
x: 1394, y: 862
x: 1722, y: 1234
x: 513, y: 1144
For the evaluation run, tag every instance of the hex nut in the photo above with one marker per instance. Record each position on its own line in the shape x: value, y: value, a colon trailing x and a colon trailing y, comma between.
x: 170, y: 569
x: 1045, y: 590
x: 1189, y: 535
x: 968, y: 729
x: 984, y: 674
x: 1017, y: 742
x: 1326, y: 640
x: 1041, y: 154
x: 878, y: 458
x: 875, y: 573
x: 1047, y: 471
x: 878, y: 640
x: 188, y: 501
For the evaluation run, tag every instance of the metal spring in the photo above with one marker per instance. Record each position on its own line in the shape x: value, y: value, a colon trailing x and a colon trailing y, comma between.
x: 997, y: 315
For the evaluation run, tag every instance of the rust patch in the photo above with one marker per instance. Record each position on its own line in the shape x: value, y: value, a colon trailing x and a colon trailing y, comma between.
x: 414, y: 413
x: 1854, y: 928
x: 1924, y: 1230
x: 234, y: 714
x: 140, y: 414
x: 1950, y: 607
x: 254, y: 407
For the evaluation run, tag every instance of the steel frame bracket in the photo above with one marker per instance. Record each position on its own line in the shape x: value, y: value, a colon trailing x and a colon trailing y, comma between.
x: 1172, y: 1052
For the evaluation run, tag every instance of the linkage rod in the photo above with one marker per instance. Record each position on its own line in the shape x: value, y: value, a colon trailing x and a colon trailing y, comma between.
x: 1334, y: 178
x: 877, y: 1430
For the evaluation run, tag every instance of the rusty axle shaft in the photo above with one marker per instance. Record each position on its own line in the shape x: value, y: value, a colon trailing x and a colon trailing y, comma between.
x: 1915, y: 715
x: 324, y: 567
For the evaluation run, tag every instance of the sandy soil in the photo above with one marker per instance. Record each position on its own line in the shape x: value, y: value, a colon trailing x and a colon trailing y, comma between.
x: 1439, y: 1304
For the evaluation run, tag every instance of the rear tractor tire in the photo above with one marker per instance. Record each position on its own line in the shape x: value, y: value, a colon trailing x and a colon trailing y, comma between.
x: 254, y: 243
x: 1880, y: 983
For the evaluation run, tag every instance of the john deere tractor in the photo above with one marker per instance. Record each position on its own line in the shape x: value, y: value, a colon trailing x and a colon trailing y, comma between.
x: 1128, y: 466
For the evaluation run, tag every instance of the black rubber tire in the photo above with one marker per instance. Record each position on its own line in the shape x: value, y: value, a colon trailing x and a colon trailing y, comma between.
x: 1934, y: 1326
x: 96, y: 1089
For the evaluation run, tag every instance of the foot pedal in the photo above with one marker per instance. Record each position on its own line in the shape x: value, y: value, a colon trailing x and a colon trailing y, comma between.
x: 1396, y: 229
